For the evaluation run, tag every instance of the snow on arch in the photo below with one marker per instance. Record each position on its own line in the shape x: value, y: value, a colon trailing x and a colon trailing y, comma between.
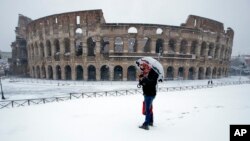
x: 132, y: 30
x: 159, y: 31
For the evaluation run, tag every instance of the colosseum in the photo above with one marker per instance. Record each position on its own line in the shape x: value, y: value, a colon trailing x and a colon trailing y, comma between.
x: 82, y: 46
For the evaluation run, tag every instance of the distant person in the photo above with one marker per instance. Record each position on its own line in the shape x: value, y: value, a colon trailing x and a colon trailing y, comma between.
x: 148, y: 81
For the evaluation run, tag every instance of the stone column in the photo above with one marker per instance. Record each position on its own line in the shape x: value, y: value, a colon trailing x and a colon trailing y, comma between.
x: 153, y: 45
x: 178, y: 44
x: 165, y: 46
x: 125, y: 72
x: 111, y: 45
x: 186, y: 69
x: 73, y: 72
x: 125, y: 45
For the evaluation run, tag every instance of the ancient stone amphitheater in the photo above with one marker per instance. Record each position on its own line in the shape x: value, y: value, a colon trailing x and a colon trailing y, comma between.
x: 82, y: 46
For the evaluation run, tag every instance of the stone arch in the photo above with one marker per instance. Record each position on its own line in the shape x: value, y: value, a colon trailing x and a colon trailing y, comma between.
x: 203, y: 49
x: 91, y: 46
x: 36, y: 49
x: 215, y: 73
x: 131, y: 73
x: 118, y: 73
x: 219, y: 73
x: 91, y: 73
x: 105, y: 73
x: 43, y: 72
x: 194, y: 45
x: 181, y: 72
x: 78, y: 47
x: 118, y: 44
x: 58, y: 73
x: 147, y: 42
x: 159, y: 46
x: 38, y: 72
x: 49, y: 49
x: 104, y: 45
x: 33, y: 72
x: 184, y: 46
x: 172, y: 46
x: 57, y: 47
x: 170, y: 73
x: 201, y: 73
x: 50, y: 72
x: 132, y: 45
x: 208, y: 73
x: 41, y: 50
x: 132, y: 30
x: 66, y: 45
x: 68, y: 72
x: 217, y: 49
x: 210, y: 49
x: 222, y: 52
x: 79, y: 72
x: 191, y: 73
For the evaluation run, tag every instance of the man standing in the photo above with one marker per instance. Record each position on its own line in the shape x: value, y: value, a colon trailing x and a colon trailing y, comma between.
x: 148, y: 81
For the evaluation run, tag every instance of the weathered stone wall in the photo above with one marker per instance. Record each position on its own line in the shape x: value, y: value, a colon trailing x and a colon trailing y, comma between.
x: 81, y: 46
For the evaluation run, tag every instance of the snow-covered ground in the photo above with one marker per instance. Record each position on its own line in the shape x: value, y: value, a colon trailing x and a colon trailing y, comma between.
x: 192, y: 115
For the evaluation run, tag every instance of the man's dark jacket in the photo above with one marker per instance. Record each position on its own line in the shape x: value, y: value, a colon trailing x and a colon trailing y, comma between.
x: 149, y: 83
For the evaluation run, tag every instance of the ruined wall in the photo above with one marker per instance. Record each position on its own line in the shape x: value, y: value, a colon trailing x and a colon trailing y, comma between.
x: 81, y: 46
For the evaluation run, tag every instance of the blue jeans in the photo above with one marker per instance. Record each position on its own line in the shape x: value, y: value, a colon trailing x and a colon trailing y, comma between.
x: 148, y: 103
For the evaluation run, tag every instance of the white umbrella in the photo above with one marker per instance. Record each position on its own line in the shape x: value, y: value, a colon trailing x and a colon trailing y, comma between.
x: 155, y: 65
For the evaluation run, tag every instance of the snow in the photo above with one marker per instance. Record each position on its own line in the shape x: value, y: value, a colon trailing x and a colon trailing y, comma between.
x: 192, y: 115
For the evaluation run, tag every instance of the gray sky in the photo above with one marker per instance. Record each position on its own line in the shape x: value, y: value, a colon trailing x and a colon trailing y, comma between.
x: 233, y: 13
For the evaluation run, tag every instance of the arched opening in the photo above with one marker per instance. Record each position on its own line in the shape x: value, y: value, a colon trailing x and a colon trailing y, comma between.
x: 48, y: 45
x: 78, y: 47
x: 210, y: 50
x: 38, y: 72
x: 131, y: 73
x: 203, y: 49
x: 171, y: 45
x: 78, y: 32
x: 79, y: 72
x: 68, y: 72
x: 42, y: 50
x: 131, y: 45
x: 91, y: 73
x: 216, y: 56
x: 67, y: 46
x: 50, y: 72
x: 57, y: 49
x: 105, y: 45
x: 201, y: 73
x: 208, y: 73
x: 118, y: 73
x: 43, y: 72
x: 181, y: 72
x: 118, y: 44
x: 147, y: 42
x: 170, y: 73
x: 91, y: 46
x: 105, y: 73
x: 214, y: 73
x: 58, y: 73
x: 191, y: 73
x: 183, y: 48
x: 159, y: 46
x: 159, y: 31
x: 193, y: 47
x: 132, y: 30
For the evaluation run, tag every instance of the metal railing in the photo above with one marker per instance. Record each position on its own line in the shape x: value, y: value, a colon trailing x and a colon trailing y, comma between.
x: 71, y: 96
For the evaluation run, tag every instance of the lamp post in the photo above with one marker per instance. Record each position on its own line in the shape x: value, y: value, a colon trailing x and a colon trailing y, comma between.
x: 1, y: 89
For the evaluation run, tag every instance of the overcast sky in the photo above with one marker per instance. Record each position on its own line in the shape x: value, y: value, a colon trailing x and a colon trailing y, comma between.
x: 233, y: 13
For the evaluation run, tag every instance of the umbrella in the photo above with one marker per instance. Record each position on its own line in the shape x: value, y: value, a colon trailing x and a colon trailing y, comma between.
x: 154, y: 64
